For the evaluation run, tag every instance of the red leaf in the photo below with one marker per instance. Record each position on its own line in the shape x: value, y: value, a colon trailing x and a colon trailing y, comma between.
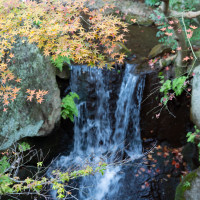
x: 177, y: 165
x: 157, y: 170
x: 165, y: 154
x: 173, y: 162
x: 167, y: 68
x: 146, y: 184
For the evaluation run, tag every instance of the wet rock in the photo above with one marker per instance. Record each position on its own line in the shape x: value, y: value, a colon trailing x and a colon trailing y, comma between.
x: 158, y: 50
x: 140, y: 42
x: 25, y: 118
x: 190, y: 155
x: 165, y: 166
x: 193, y: 192
x: 120, y: 47
x: 188, y: 189
x: 140, y: 19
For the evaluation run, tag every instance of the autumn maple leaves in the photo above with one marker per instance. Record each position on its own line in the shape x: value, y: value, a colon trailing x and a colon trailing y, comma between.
x: 9, y: 90
x: 169, y: 31
x: 58, y: 30
x: 38, y: 95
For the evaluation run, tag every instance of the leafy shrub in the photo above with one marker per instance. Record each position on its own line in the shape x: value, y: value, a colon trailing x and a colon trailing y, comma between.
x: 10, y: 184
x: 152, y: 2
x: 23, y: 146
x: 69, y: 106
x: 60, y: 60
x: 179, y: 84
x: 4, y: 164
x: 172, y: 87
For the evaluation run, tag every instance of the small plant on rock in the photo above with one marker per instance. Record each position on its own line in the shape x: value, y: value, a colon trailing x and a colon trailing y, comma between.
x: 69, y: 106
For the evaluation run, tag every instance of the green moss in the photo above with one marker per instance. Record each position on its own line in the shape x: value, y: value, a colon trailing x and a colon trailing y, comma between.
x: 181, y: 188
x: 139, y: 20
x: 123, y: 48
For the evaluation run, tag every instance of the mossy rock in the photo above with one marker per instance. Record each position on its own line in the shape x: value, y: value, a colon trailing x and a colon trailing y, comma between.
x: 186, y: 185
x: 122, y: 48
x: 24, y: 118
x: 158, y: 50
x: 139, y: 20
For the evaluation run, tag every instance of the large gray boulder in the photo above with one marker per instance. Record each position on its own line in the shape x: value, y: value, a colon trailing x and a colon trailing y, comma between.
x: 24, y: 118
x: 195, y: 100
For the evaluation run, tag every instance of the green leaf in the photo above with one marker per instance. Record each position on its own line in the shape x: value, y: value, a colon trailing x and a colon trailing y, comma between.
x: 5, y: 184
x: 24, y: 146
x: 188, y: 134
x: 39, y: 164
x: 28, y: 180
x: 166, y: 86
x: 191, y: 138
x: 69, y: 106
x: 178, y: 85
x: 4, y: 164
x: 60, y: 60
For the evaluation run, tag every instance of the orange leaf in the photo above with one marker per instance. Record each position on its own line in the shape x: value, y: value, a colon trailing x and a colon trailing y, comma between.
x: 29, y: 98
x: 133, y: 20
x: 40, y: 100
x: 142, y: 169
x: 11, y: 55
x: 168, y: 175
x: 193, y: 27
x: 18, y: 80
x: 173, y: 162
x: 157, y: 170
x: 186, y: 58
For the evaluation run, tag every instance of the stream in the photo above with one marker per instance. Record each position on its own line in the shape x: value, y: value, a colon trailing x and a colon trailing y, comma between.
x: 106, y: 130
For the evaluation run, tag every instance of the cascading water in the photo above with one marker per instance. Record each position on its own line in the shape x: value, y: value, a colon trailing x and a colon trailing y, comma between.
x: 101, y: 134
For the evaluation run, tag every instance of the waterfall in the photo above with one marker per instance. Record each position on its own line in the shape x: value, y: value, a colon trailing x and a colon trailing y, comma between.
x: 101, y: 133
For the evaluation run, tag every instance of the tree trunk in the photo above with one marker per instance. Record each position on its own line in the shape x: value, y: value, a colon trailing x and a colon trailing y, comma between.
x: 180, y: 66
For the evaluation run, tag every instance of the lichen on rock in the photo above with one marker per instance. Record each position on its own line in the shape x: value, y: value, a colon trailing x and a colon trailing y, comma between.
x: 24, y: 118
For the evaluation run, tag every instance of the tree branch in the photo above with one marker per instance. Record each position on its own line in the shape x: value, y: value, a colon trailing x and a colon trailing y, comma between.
x: 189, y: 14
x: 179, y: 36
